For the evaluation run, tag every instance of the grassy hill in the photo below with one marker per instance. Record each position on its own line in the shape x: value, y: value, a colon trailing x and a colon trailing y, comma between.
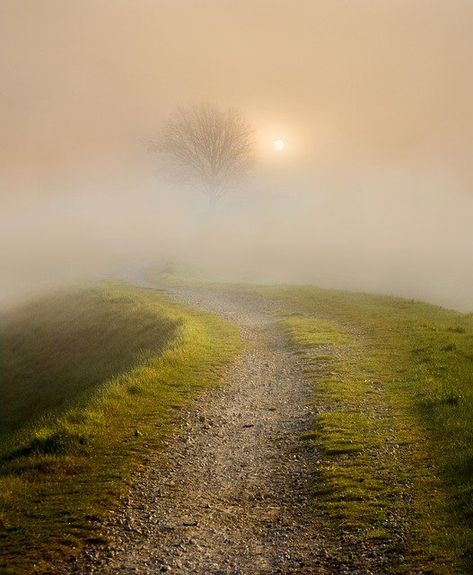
x: 393, y: 392
x: 61, y: 346
x: 80, y: 373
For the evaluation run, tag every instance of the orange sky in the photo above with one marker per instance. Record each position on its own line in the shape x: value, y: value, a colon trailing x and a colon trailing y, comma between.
x: 373, y: 97
x: 351, y: 82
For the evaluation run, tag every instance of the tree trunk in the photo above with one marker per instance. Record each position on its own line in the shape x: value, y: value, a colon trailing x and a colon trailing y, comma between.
x: 212, y: 197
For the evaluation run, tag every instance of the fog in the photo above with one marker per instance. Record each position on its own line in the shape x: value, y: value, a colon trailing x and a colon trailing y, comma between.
x: 373, y: 99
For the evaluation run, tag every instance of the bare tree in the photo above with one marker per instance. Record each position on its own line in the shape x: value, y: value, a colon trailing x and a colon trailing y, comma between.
x: 207, y: 146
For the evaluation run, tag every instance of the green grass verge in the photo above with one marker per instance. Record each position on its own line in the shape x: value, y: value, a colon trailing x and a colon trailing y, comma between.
x: 81, y: 372
x: 394, y: 426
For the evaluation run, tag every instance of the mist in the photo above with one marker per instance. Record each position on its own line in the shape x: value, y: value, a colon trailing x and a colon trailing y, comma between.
x: 372, y: 192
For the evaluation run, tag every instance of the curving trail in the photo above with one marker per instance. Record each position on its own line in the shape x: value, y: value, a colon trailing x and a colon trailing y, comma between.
x: 233, y: 496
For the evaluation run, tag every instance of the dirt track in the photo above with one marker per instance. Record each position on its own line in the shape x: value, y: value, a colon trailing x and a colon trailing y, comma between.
x: 234, y: 496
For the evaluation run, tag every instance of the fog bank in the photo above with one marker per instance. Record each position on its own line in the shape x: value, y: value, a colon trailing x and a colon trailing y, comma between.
x: 373, y: 99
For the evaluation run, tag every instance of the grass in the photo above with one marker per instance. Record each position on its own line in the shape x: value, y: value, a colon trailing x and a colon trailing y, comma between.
x: 68, y: 343
x: 81, y: 372
x: 393, y: 389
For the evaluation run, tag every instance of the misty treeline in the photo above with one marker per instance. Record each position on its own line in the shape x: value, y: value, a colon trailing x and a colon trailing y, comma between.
x: 206, y: 146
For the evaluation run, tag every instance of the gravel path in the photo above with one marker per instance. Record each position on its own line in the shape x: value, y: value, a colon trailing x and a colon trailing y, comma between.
x: 233, y: 498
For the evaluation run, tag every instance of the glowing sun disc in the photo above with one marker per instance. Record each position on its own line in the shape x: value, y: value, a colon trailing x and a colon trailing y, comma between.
x: 279, y: 145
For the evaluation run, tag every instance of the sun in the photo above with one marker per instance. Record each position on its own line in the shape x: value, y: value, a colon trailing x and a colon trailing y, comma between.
x: 279, y: 145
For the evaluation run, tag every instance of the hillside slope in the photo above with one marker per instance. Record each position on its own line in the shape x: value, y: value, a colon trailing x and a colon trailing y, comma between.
x: 91, y: 380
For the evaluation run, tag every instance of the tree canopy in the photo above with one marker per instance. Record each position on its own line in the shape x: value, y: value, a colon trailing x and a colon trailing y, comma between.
x: 208, y: 146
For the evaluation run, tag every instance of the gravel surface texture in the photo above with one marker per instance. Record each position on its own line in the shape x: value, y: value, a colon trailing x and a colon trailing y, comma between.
x: 232, y: 495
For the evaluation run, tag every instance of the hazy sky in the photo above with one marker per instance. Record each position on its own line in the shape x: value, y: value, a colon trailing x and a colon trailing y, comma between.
x: 374, y: 99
